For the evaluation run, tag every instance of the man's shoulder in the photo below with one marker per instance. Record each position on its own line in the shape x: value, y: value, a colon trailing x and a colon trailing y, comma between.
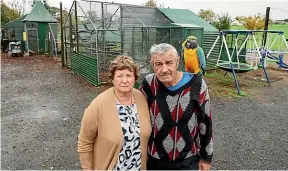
x: 149, y: 78
x: 197, y: 80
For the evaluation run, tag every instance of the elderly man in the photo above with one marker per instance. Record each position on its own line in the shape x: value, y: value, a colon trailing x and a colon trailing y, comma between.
x: 180, y: 114
x: 193, y: 56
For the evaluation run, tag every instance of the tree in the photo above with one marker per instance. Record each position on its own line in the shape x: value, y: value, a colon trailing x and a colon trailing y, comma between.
x: 20, y: 5
x: 223, y: 22
x: 255, y: 22
x: 8, y: 14
x: 208, y: 15
x: 150, y: 3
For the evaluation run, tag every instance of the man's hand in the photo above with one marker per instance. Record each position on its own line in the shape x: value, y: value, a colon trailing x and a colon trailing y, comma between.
x: 204, y: 166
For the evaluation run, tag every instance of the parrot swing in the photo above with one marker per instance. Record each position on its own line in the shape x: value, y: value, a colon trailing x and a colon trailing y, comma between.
x: 253, y: 57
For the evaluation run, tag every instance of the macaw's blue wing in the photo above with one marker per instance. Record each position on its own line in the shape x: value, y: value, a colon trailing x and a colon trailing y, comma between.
x: 201, y: 58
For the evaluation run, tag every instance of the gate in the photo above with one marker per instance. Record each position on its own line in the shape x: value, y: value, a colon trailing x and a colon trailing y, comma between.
x: 32, y: 38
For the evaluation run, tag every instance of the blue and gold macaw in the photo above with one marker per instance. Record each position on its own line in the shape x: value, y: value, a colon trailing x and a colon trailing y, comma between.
x: 193, y: 56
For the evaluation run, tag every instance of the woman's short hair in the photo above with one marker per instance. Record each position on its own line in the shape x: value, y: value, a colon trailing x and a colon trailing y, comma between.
x: 123, y: 62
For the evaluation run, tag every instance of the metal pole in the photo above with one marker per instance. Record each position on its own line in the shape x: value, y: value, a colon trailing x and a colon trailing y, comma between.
x: 273, y: 42
x: 265, y: 71
x: 263, y: 61
x: 121, y: 29
x: 65, y: 48
x: 285, y: 42
x: 231, y: 65
x: 244, y: 43
x: 257, y: 48
x: 133, y: 32
x: 212, y: 46
x: 236, y: 41
x: 70, y: 30
x: 221, y: 48
x: 102, y: 15
x: 266, y: 26
x: 103, y: 27
x: 91, y: 46
x: 76, y: 27
x: 69, y: 13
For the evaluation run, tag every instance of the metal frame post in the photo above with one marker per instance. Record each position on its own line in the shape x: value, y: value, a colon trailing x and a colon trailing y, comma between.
x: 62, y: 36
x: 263, y: 60
x: 231, y: 64
x: 121, y: 29
x: 264, y: 41
x: 70, y: 30
x: 76, y: 27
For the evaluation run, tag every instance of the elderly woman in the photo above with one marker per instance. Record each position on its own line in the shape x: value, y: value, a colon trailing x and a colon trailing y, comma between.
x: 116, y: 126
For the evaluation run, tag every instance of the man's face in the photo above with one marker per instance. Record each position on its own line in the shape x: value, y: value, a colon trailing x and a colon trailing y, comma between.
x: 165, y: 66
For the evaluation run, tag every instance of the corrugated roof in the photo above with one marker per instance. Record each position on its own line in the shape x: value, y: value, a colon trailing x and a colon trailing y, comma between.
x: 40, y: 14
x: 185, y: 16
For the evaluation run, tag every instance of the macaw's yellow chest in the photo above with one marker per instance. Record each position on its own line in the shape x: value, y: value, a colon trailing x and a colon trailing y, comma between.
x: 191, y: 61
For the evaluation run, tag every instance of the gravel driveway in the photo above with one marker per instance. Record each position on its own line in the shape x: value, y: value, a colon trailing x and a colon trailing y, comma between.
x: 42, y: 106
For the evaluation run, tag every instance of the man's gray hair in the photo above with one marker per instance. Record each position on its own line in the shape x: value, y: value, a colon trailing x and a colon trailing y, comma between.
x: 162, y: 48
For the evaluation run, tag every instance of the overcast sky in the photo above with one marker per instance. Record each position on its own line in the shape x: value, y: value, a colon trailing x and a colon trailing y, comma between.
x: 279, y: 9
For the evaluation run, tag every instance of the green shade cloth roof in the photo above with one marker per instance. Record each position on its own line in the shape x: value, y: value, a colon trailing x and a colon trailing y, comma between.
x: 185, y: 16
x: 40, y: 14
x: 15, y: 23
x: 180, y: 25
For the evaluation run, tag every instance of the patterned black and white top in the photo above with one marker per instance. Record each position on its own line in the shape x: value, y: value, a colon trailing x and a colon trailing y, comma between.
x: 181, y: 120
x: 130, y: 154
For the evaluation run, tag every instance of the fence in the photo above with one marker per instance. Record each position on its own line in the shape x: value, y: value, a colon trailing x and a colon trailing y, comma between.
x: 96, y: 32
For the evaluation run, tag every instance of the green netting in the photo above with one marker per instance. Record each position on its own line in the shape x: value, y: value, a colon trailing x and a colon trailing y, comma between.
x: 185, y: 16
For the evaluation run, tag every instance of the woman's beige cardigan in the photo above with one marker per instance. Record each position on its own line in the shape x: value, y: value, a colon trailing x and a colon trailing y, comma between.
x: 101, y: 137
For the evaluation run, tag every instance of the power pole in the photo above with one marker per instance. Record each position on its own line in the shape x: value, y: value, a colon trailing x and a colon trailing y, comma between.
x: 266, y: 26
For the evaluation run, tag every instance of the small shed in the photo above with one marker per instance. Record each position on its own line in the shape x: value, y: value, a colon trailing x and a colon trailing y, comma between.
x: 32, y: 28
x: 36, y: 25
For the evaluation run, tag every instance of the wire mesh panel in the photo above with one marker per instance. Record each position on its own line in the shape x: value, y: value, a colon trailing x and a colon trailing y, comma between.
x: 103, y: 30
x: 51, y: 46
x: 99, y: 34
x: 53, y: 28
x: 140, y: 39
x: 32, y: 39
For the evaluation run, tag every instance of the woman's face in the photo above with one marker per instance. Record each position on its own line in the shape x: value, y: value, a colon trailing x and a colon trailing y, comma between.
x: 124, y: 80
